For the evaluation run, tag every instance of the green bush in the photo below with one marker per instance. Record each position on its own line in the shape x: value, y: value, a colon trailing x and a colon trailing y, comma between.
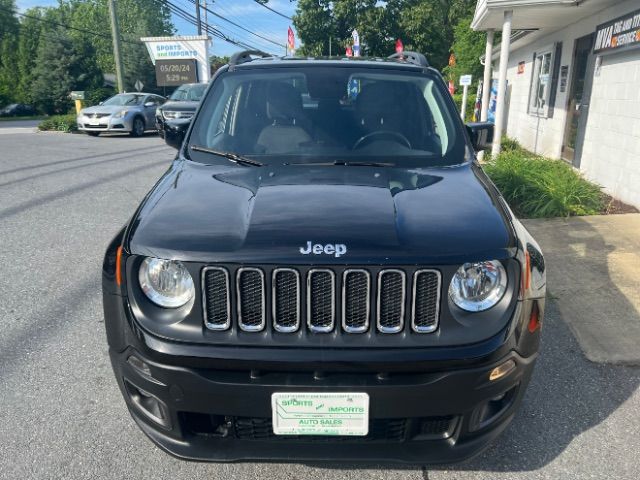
x: 60, y: 123
x: 457, y: 98
x: 538, y: 187
x: 97, y: 95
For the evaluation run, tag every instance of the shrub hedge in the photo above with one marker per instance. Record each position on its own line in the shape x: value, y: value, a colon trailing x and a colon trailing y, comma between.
x: 538, y: 187
x: 61, y: 123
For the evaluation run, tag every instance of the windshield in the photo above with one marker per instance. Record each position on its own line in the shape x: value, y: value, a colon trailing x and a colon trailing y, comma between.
x: 189, y: 93
x: 331, y: 115
x: 124, y: 99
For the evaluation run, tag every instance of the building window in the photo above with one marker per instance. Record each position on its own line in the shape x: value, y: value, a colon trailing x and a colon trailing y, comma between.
x: 541, y: 83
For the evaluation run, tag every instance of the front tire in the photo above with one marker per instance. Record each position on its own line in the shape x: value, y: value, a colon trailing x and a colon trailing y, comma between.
x: 137, y: 129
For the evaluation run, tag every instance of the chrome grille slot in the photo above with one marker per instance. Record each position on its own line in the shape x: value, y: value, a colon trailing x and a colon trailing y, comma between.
x: 215, y: 298
x: 391, y: 300
x: 426, y: 301
x: 321, y: 300
x: 356, y: 300
x: 286, y: 299
x: 251, y: 299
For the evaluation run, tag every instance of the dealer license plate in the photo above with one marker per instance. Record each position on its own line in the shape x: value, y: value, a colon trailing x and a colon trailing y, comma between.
x: 320, y: 413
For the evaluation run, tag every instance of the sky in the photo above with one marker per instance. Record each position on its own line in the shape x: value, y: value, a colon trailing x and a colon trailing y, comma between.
x: 247, y: 13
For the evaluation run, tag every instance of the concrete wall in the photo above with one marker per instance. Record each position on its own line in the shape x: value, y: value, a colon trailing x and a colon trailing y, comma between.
x: 611, y: 155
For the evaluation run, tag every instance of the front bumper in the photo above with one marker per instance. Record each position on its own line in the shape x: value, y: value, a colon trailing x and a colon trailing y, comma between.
x: 211, y: 414
x: 105, y: 124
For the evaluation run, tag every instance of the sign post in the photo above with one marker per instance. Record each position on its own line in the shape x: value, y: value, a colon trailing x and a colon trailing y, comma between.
x: 465, y: 81
x: 77, y: 96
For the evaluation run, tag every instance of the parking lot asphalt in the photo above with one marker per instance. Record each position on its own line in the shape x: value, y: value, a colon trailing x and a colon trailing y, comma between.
x: 62, y: 198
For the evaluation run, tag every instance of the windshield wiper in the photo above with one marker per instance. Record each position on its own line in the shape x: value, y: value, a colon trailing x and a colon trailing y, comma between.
x: 343, y: 163
x: 234, y: 157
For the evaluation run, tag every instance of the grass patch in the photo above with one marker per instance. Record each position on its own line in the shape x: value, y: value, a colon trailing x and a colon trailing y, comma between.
x: 59, y: 123
x: 539, y: 187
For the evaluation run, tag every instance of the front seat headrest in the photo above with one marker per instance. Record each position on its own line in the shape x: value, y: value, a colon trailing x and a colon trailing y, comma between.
x: 284, y: 103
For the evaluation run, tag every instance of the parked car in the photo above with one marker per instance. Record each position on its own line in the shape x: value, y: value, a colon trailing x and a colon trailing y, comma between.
x: 17, y: 110
x: 335, y: 279
x: 182, y: 104
x: 132, y: 113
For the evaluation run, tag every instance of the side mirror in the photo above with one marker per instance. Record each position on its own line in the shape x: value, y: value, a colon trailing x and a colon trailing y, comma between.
x: 175, y: 130
x: 100, y: 103
x: 150, y: 104
x: 481, y: 134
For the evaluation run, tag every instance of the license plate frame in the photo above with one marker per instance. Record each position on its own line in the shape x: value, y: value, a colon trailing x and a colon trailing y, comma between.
x: 320, y: 413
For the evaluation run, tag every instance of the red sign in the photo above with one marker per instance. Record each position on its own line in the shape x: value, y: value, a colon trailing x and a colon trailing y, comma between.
x: 291, y: 40
x: 399, y: 46
x: 349, y: 52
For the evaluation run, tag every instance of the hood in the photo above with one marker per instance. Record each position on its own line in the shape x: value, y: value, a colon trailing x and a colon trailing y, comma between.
x: 274, y: 214
x: 181, y: 106
x: 110, y: 109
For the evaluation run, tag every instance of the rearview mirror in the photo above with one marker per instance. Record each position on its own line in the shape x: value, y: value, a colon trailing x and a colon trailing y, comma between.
x: 481, y: 134
x: 175, y: 130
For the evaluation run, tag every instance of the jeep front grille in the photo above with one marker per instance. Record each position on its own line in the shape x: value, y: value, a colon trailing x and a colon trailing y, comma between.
x: 251, y: 299
x: 322, y: 299
x: 391, y: 299
x: 356, y: 300
x: 426, y: 301
x: 217, y: 305
x: 286, y: 299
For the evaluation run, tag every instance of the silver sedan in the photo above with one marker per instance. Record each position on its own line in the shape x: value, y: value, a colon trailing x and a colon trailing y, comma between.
x: 133, y: 113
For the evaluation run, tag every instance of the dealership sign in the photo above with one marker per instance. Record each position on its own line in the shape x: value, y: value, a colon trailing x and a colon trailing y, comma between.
x: 172, y: 73
x: 192, y: 49
x: 618, y: 34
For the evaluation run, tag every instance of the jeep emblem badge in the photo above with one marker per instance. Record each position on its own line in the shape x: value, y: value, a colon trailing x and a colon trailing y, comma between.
x: 337, y: 250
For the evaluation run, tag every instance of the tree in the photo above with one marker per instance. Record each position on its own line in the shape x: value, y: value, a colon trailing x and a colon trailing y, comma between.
x: 424, y: 25
x: 28, y: 41
x: 468, y: 46
x: 9, y: 28
x: 315, y: 25
x: 61, y: 66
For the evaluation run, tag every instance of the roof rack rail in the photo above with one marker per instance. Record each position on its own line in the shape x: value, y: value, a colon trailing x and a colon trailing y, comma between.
x: 410, y: 57
x: 245, y: 56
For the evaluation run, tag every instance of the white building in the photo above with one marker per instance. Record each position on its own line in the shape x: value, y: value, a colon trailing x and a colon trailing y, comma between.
x: 572, y: 69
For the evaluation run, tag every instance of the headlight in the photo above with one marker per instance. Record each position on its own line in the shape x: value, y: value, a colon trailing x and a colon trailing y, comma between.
x: 166, y: 282
x: 478, y: 286
x: 120, y: 114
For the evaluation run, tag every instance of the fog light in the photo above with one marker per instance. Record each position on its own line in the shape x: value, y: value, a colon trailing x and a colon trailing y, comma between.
x: 148, y: 404
x: 502, y: 370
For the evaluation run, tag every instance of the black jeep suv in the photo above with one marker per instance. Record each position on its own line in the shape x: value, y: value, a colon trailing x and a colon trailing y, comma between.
x: 324, y: 272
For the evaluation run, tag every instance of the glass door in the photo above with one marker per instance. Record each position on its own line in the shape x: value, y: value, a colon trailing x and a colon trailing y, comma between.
x: 578, y: 102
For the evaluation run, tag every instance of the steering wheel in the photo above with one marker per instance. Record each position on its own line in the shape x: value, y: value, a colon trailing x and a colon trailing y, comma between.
x: 395, y: 136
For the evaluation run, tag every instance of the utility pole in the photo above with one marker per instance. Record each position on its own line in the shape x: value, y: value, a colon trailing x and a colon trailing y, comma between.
x: 115, y: 33
x: 198, y: 22
x: 206, y: 16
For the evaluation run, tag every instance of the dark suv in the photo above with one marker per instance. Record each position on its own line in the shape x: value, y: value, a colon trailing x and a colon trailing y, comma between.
x: 182, y: 104
x: 324, y: 272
